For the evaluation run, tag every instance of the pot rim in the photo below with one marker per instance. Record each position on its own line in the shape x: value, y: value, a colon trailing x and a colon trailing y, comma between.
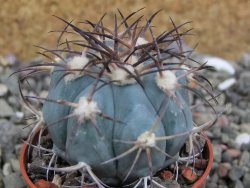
x: 23, y: 163
x: 200, y: 183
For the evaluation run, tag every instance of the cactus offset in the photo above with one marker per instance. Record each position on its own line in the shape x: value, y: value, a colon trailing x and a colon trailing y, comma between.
x: 118, y: 105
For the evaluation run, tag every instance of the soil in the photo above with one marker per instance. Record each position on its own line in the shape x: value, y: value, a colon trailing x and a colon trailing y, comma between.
x: 39, y: 160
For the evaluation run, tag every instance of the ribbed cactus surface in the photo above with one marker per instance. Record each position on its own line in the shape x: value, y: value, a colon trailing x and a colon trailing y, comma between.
x: 139, y: 114
x: 118, y: 100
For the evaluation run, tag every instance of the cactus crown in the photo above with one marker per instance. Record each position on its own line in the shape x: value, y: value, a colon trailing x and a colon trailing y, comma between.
x: 119, y: 104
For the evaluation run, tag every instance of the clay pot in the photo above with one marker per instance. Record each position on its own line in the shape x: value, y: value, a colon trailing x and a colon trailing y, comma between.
x: 23, y: 163
x: 208, y: 151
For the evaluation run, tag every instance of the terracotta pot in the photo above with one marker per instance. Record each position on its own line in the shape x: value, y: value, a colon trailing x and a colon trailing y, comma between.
x: 208, y: 150
x: 23, y: 162
x: 200, y: 183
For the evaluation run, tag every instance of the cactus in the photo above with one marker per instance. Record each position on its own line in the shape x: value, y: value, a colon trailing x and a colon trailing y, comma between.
x: 118, y: 107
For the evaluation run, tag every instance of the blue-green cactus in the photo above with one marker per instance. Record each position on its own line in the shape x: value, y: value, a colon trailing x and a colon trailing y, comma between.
x: 119, y: 105
x: 135, y: 110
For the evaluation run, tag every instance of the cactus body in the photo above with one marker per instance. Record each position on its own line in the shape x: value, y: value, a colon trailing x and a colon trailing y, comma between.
x: 135, y: 107
x: 118, y: 106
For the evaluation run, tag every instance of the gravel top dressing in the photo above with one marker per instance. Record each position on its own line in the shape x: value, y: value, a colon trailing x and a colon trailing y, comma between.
x: 230, y: 135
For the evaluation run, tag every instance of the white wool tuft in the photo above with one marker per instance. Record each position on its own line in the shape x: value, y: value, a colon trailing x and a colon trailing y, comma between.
x: 86, y: 110
x: 141, y: 41
x: 121, y: 76
x: 77, y: 62
x: 167, y: 82
x: 147, y: 139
